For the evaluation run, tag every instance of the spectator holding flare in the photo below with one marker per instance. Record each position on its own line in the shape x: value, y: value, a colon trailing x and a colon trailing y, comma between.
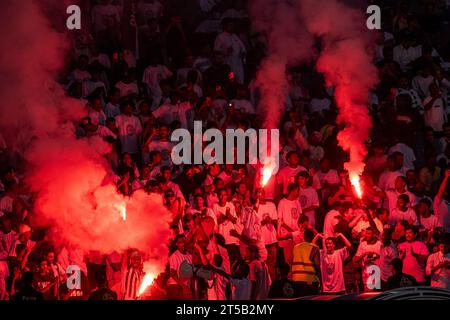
x: 289, y: 210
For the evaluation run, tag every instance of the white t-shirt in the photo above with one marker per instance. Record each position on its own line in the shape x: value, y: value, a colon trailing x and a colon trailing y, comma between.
x: 442, y: 211
x: 169, y: 113
x: 408, y: 154
x: 441, y: 277
x: 288, y: 212
x: 288, y: 175
x: 102, y: 12
x: 223, y: 42
x: 392, y: 197
x: 404, y: 56
x: 127, y: 88
x: 397, y: 215
x: 369, y: 259
x: 165, y: 147
x: 129, y: 129
x: 244, y: 105
x: 241, y: 289
x: 429, y: 223
x: 332, y: 269
x: 422, y: 85
x: 268, y: 231
x: 175, y: 261
x: 434, y: 117
x: 331, y: 176
x: 319, y: 105
x: 388, y: 254
x: 111, y: 110
x: 411, y: 265
x: 260, y: 274
x: 387, y: 179
x: 225, y: 227
x: 152, y: 76
x: 150, y: 10
x: 308, y: 197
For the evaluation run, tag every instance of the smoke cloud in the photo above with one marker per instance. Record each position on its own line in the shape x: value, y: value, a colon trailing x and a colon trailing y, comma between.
x: 67, y: 175
x: 345, y: 60
x: 288, y: 42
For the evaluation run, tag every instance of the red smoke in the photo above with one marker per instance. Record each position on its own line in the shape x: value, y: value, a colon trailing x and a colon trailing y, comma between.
x: 288, y: 42
x: 345, y: 60
x: 67, y: 175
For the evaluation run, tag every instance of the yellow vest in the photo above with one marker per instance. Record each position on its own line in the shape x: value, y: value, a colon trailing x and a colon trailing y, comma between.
x: 303, y: 268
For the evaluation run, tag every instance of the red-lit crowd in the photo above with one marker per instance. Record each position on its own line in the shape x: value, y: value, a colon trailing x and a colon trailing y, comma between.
x: 145, y: 68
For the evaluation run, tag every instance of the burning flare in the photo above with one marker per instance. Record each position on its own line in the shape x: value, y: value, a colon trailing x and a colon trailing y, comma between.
x: 266, y: 175
x: 149, y: 277
x: 356, y: 183
x: 267, y: 171
x: 123, y: 212
x: 146, y: 282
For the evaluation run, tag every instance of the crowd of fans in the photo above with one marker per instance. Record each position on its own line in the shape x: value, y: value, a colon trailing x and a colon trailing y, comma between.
x: 145, y: 68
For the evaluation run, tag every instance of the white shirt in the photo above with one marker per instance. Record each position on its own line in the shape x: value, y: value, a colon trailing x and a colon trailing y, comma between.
x: 260, y: 275
x: 397, y: 215
x: 392, y: 197
x: 429, y: 223
x: 129, y: 129
x: 165, y: 147
x: 442, y: 211
x: 319, y: 105
x: 332, y: 270
x: 102, y: 12
x: 111, y: 110
x: 288, y: 175
x: 241, y: 289
x: 225, y: 227
x: 175, y: 261
x: 422, y: 85
x: 388, y: 253
x: 408, y: 154
x: 169, y: 113
x: 441, y: 277
x: 150, y: 10
x: 127, y: 88
x: 223, y: 42
x: 404, y: 56
x: 244, y: 105
x: 434, y: 117
x: 6, y: 204
x: 152, y: 76
x: 387, y: 179
x: 288, y: 212
x: 411, y: 265
x: 268, y: 231
x: 308, y: 197
x: 331, y: 176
